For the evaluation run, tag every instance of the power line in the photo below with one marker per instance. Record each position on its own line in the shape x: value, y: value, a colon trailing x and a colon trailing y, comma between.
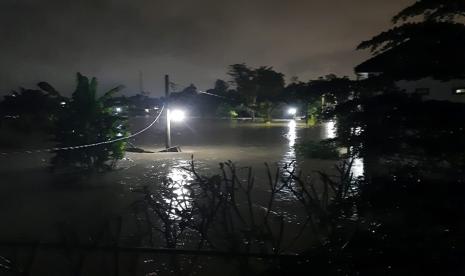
x: 203, y: 92
x: 89, y: 145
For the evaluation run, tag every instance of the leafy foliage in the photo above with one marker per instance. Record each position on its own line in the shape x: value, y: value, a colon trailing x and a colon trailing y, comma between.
x: 405, y: 127
x: 425, y: 32
x: 334, y: 89
x: 432, y: 47
x: 89, y: 119
x: 259, y: 88
x: 437, y: 10
x: 31, y: 109
x: 225, y: 110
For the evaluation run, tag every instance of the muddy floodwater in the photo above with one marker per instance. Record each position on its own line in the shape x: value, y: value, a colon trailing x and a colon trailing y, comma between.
x: 36, y: 205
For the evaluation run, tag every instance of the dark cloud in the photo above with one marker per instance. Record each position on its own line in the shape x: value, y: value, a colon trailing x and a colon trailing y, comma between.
x: 193, y: 41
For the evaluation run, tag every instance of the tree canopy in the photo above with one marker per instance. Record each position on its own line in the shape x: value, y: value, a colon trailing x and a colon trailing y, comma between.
x: 431, y: 47
x: 434, y: 10
x: 259, y: 88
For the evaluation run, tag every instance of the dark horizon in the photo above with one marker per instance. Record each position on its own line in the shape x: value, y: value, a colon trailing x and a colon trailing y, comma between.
x: 194, y: 43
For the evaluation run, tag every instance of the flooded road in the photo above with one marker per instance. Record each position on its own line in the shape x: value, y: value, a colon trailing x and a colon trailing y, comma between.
x: 35, y: 204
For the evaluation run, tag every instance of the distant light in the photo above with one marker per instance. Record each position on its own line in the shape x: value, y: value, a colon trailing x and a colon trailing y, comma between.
x: 147, y: 110
x: 156, y: 108
x: 460, y: 90
x: 119, y: 134
x: 118, y: 109
x: 177, y: 115
x: 292, y: 111
x: 63, y: 103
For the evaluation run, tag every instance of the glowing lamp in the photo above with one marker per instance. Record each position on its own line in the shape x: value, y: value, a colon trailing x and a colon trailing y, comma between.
x: 177, y: 115
x: 292, y: 111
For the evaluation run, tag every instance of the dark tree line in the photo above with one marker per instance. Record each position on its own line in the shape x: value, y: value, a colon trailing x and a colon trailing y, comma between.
x: 261, y: 92
x: 84, y: 118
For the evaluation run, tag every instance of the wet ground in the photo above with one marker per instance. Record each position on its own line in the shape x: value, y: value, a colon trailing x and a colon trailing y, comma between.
x: 38, y: 205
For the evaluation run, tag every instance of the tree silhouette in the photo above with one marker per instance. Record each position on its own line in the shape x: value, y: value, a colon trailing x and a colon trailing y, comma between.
x: 329, y: 89
x: 32, y: 108
x: 259, y: 88
x: 89, y: 119
x: 243, y: 78
x: 435, y: 10
x: 431, y: 47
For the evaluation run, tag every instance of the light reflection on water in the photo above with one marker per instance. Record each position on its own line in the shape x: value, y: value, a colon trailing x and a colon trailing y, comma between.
x: 358, y: 168
x: 289, y: 157
x: 329, y: 129
x: 330, y: 132
x: 292, y: 134
x: 178, y: 173
x: 179, y: 196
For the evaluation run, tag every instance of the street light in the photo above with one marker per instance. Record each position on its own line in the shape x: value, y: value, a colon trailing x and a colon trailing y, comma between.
x: 177, y: 115
x: 292, y: 111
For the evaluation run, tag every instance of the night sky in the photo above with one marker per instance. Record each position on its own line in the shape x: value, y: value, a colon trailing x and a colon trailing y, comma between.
x: 192, y: 40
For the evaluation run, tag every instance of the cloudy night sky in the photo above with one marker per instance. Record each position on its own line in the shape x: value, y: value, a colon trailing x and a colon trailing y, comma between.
x: 192, y: 40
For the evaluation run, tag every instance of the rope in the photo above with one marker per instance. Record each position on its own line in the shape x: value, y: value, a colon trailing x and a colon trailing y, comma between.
x: 90, y: 145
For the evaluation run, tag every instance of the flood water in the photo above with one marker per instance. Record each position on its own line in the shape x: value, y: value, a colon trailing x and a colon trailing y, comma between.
x: 36, y: 204
x: 215, y: 141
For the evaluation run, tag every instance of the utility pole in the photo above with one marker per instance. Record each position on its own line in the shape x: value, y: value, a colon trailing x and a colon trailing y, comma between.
x: 141, y: 83
x: 168, y: 122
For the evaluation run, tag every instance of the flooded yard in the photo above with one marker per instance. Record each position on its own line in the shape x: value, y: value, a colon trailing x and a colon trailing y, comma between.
x: 35, y: 204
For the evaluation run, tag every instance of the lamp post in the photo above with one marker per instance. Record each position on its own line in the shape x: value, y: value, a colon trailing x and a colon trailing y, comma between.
x: 176, y: 116
x: 168, y: 121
